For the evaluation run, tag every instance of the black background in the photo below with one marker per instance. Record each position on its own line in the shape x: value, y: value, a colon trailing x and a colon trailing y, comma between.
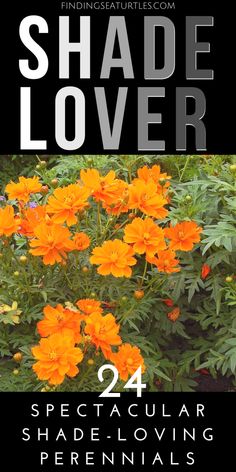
x: 20, y: 455
x: 220, y: 92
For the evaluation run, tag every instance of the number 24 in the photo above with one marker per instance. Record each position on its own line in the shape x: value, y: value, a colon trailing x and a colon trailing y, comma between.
x: 138, y: 385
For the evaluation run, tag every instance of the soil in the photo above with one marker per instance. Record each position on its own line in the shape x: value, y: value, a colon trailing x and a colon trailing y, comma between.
x: 206, y: 383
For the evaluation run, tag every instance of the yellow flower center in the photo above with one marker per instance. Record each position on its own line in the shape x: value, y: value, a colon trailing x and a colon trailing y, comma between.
x: 60, y: 317
x: 181, y: 235
x: 102, y: 329
x: 146, y: 236
x: 68, y: 200
x: 103, y: 184
x: 129, y: 361
x: 52, y: 355
x: 114, y: 256
x: 50, y: 239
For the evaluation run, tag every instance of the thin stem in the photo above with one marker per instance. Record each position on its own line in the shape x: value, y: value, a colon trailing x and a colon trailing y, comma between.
x: 127, y: 313
x: 109, y: 223
x: 144, y: 273
x: 184, y: 169
x: 99, y: 224
x: 66, y: 277
x: 83, y: 376
x: 118, y: 229
x: 130, y: 172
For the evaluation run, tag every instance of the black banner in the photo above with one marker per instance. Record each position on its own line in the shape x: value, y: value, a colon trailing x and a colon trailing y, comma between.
x: 70, y: 431
x: 188, y: 110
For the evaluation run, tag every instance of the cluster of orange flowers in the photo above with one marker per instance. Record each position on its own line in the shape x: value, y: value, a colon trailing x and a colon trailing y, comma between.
x: 67, y: 333
x: 44, y: 224
x: 48, y: 226
x: 52, y: 227
x: 147, y: 196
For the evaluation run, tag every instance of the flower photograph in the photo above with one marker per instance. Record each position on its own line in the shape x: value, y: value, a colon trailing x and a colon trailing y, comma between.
x: 126, y: 260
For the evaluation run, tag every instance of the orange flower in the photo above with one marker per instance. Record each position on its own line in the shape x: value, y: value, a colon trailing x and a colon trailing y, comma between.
x: 103, y: 332
x: 145, y: 198
x: 57, y: 319
x: 52, y: 242
x: 114, y: 257
x: 166, y: 261
x: 174, y: 314
x: 66, y: 202
x: 100, y: 187
x: 205, y: 271
x: 127, y: 360
x: 168, y: 301
x: 9, y: 223
x: 57, y: 357
x: 23, y: 189
x: 183, y: 235
x: 145, y: 236
x: 81, y: 241
x: 32, y: 217
x: 89, y: 305
x: 116, y: 201
x: 154, y: 174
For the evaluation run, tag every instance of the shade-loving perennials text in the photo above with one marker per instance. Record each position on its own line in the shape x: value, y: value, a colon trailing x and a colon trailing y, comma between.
x: 96, y: 434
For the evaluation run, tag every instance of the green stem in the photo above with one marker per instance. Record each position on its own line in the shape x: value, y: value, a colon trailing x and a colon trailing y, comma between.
x: 109, y: 223
x: 23, y: 272
x: 144, y: 273
x: 130, y: 173
x: 83, y: 377
x: 118, y: 229
x: 184, y: 169
x: 66, y: 277
x: 127, y: 313
x: 99, y: 224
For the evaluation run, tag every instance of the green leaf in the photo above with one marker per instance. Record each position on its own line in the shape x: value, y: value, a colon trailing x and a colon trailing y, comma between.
x: 44, y: 295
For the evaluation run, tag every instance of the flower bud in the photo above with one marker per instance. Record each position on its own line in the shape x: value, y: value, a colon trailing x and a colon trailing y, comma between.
x: 42, y: 164
x: 162, y: 181
x: 229, y: 279
x: 23, y: 259
x: 18, y: 357
x: 44, y: 189
x: 131, y: 216
x: 54, y: 182
x: 138, y: 294
x: 188, y: 198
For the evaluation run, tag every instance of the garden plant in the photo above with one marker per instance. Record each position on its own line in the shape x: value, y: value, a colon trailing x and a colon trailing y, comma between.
x: 120, y: 259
